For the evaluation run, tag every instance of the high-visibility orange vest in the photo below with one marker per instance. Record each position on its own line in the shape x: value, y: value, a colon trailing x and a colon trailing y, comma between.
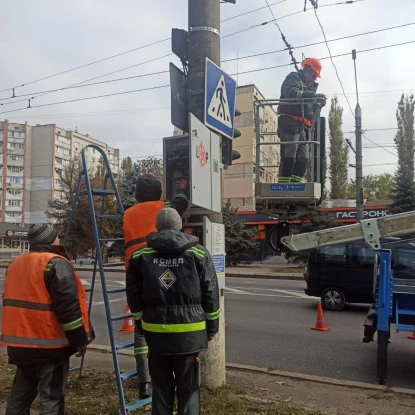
x: 28, y: 317
x: 139, y: 221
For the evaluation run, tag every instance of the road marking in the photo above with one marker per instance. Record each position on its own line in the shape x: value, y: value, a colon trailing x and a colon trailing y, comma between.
x: 290, y: 292
x: 85, y: 282
x: 120, y: 282
x: 236, y: 291
x: 273, y: 295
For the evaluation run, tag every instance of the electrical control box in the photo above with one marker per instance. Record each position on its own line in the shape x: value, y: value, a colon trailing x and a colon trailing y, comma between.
x: 194, y: 160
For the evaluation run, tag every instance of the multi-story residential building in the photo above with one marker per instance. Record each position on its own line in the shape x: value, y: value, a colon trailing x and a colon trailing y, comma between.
x: 31, y: 159
x: 239, y: 178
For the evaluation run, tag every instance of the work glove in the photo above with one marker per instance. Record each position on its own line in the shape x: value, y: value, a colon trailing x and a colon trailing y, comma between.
x: 322, y: 99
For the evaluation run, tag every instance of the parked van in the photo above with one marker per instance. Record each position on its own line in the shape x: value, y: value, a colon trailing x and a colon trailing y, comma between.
x: 344, y: 273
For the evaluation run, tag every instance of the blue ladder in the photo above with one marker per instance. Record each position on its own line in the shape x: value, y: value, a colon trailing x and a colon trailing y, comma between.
x: 97, y: 220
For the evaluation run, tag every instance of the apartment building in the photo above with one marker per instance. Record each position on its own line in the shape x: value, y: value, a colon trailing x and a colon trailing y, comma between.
x: 239, y: 178
x: 32, y: 157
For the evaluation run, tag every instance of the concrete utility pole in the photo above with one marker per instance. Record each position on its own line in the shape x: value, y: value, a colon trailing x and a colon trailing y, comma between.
x: 359, y: 151
x: 204, y: 42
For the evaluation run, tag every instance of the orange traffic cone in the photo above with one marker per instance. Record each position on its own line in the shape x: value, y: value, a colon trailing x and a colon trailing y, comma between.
x: 128, y: 325
x: 412, y: 336
x: 320, y: 325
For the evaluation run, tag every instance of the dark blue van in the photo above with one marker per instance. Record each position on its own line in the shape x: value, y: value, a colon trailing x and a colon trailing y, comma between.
x: 344, y: 273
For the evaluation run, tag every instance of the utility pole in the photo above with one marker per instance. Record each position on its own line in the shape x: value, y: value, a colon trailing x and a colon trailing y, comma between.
x: 359, y: 151
x: 204, y: 42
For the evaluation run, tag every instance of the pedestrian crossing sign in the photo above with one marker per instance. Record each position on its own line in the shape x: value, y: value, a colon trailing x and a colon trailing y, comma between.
x: 220, y: 97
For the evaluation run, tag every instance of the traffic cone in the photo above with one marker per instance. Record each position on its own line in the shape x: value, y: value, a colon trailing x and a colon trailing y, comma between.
x: 412, y: 336
x: 320, y: 325
x: 128, y: 325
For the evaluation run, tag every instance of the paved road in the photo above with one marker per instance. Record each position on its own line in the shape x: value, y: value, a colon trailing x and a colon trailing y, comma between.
x: 269, y: 325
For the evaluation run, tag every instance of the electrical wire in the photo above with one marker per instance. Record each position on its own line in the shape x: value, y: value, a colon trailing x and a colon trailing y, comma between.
x: 251, y: 11
x: 377, y: 145
x: 318, y: 43
x: 332, y: 61
x: 283, y: 17
x: 240, y: 73
x: 82, y: 86
x: 329, y: 57
x: 88, y: 64
x: 88, y: 98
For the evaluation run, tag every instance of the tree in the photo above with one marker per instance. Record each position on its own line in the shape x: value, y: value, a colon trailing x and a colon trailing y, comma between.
x: 81, y: 237
x: 309, y: 223
x: 339, y: 153
x: 376, y: 187
x: 239, y: 241
x: 404, y: 197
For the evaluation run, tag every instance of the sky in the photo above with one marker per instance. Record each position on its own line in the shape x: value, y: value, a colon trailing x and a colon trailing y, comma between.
x: 42, y: 38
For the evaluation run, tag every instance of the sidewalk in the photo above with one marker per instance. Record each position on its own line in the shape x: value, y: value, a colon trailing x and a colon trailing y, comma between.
x: 249, y: 390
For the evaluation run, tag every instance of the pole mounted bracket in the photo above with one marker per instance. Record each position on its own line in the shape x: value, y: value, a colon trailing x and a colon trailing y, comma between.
x: 196, y: 75
x: 371, y: 233
x: 205, y: 29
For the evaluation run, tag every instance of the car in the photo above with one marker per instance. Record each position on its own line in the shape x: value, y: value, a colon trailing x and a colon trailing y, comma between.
x: 344, y: 273
x: 85, y: 261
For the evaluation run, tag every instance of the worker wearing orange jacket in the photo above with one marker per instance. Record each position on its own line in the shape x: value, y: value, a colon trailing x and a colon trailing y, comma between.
x: 294, y: 121
x: 138, y: 222
x: 44, y: 322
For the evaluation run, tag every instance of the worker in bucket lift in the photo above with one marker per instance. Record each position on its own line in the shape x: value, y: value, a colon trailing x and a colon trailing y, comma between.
x: 173, y: 294
x: 294, y: 121
x: 138, y: 222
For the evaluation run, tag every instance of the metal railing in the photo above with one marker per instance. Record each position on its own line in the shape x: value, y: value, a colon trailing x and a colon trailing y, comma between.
x: 315, y: 160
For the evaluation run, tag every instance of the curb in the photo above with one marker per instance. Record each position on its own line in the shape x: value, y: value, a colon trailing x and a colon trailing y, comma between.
x: 291, y: 375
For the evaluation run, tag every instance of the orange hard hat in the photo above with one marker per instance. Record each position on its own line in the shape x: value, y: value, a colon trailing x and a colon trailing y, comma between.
x: 314, y: 64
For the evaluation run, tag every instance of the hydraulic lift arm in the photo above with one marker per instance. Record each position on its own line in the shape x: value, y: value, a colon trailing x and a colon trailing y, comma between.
x: 369, y: 230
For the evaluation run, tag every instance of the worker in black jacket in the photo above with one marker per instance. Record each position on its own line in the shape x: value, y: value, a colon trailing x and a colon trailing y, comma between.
x: 295, y: 120
x: 173, y: 295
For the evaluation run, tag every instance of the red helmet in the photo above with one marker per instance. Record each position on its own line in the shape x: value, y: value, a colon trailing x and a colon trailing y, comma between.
x: 314, y: 64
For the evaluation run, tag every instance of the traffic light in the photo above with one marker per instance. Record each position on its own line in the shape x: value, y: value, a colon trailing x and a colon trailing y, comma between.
x: 228, y: 154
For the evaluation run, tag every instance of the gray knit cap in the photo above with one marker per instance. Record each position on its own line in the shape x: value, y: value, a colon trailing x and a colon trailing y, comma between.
x: 168, y: 218
x: 42, y: 235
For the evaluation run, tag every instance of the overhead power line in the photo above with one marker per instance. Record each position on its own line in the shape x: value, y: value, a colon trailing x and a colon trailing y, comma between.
x: 332, y: 61
x: 240, y: 73
x: 287, y: 15
x: 88, y: 98
x: 252, y: 11
x: 377, y: 145
x: 318, y: 43
x: 87, y: 64
x: 81, y: 86
x: 329, y: 57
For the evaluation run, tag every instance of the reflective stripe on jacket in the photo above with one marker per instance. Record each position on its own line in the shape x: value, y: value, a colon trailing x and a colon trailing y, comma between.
x: 139, y: 221
x: 172, y: 287
x: 29, y: 320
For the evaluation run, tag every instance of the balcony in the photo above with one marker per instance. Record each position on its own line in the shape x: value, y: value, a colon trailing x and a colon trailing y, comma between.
x: 12, y: 162
x: 14, y: 194
x: 17, y: 152
x: 11, y: 173
x: 14, y: 209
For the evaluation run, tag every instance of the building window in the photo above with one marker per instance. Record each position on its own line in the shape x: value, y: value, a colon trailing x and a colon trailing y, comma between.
x: 15, y: 180
x: 63, y: 151
x: 15, y: 146
x: 93, y: 151
x: 16, y: 134
x: 261, y: 173
x: 16, y: 157
x: 15, y: 169
x: 14, y: 192
x: 76, y: 145
x: 15, y: 203
x: 63, y: 139
x: 59, y: 171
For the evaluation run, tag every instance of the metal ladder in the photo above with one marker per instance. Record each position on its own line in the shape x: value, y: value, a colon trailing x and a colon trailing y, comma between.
x: 97, y: 221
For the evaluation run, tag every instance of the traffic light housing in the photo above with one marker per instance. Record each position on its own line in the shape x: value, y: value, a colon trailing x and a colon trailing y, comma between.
x: 228, y: 154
